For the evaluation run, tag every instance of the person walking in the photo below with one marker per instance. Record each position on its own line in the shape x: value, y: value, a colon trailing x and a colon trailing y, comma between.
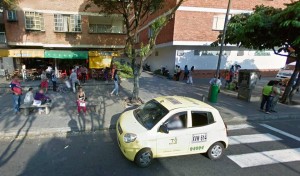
x: 74, y: 80
x: 81, y: 101
x: 16, y: 90
x: 116, y: 81
x: 190, y: 76
x: 83, y: 71
x: 276, y: 92
x: 24, y: 74
x: 186, y: 72
x: 44, y: 82
x: 178, y: 72
x: 54, y: 80
x: 266, y: 97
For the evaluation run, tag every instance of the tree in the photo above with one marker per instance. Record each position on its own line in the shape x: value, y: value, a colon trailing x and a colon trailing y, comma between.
x: 135, y: 14
x: 7, y: 4
x: 269, y: 28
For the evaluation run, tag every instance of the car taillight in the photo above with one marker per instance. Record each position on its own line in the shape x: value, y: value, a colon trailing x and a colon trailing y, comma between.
x: 226, y: 128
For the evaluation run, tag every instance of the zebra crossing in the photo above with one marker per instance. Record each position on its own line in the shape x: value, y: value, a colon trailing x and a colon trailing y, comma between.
x: 265, y: 157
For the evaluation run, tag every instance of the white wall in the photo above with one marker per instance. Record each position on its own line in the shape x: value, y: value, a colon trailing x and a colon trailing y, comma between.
x: 247, y: 61
x: 165, y: 58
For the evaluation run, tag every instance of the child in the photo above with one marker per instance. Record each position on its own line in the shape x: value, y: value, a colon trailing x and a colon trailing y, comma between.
x: 81, y: 104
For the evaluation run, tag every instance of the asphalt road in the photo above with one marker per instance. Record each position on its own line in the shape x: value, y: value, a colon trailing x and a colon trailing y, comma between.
x: 98, y: 154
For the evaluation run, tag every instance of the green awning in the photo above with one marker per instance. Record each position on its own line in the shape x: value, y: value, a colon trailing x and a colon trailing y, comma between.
x: 60, y: 54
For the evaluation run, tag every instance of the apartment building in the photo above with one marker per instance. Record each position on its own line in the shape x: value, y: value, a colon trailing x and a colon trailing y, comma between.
x: 58, y: 32
x: 197, y: 23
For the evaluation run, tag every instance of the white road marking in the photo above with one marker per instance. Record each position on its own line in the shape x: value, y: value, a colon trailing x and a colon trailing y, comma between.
x: 281, y: 132
x: 252, y: 138
x: 267, y: 157
x: 238, y: 127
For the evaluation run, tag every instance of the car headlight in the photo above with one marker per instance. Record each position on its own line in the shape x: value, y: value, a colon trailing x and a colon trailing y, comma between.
x: 129, y: 137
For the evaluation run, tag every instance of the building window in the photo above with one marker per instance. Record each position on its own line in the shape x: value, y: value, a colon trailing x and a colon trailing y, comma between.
x: 218, y: 22
x: 100, y: 24
x: 150, y: 32
x: 67, y: 23
x: 240, y: 53
x: 34, y: 21
x: 12, y: 15
x: 262, y: 53
x: 196, y: 53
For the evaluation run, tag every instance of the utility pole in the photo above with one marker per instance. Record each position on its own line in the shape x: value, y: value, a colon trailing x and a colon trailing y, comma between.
x: 223, y: 38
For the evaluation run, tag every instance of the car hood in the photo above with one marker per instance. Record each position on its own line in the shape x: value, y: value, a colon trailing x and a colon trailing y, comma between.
x: 129, y: 124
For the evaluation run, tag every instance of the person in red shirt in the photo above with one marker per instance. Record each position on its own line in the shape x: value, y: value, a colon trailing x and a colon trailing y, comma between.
x: 16, y: 90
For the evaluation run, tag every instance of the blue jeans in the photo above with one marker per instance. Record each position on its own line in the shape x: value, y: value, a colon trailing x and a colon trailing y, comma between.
x: 266, y: 100
x: 16, y: 102
x: 116, y: 89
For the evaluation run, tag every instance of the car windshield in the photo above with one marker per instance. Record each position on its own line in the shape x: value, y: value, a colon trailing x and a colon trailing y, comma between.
x: 150, y: 113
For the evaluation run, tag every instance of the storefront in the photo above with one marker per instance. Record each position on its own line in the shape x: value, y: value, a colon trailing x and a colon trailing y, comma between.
x: 65, y: 60
x: 100, y: 60
x: 32, y: 58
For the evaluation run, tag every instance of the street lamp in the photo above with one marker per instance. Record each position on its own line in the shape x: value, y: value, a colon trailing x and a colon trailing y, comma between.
x: 214, y: 88
x: 223, y: 39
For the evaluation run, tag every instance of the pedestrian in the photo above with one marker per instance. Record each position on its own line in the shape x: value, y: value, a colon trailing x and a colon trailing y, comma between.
x: 44, y: 82
x: 106, y: 74
x: 16, y: 90
x: 276, y: 92
x: 186, y: 72
x: 231, y: 72
x: 29, y: 96
x: 54, y: 80
x: 178, y: 72
x: 42, y: 98
x: 190, y: 76
x: 216, y: 81
x: 74, y: 80
x: 266, y: 97
x: 175, y: 72
x: 228, y: 78
x: 83, y: 71
x: 24, y: 73
x: 81, y: 101
x: 116, y: 81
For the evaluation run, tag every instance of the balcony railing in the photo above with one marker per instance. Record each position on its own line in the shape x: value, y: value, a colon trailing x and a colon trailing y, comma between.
x: 2, y: 38
x: 103, y: 28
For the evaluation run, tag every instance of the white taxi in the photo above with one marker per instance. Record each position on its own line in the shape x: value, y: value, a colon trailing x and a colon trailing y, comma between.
x: 171, y: 126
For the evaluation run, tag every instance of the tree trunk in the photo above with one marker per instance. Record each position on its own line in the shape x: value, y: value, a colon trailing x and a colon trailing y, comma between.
x: 286, y: 95
x: 295, y: 87
x: 136, y: 86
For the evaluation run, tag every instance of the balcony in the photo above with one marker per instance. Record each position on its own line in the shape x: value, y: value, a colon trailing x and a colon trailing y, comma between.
x: 110, y: 25
x: 2, y: 38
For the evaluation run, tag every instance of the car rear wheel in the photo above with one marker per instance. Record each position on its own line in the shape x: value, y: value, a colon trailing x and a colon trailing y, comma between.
x: 143, y: 158
x: 215, y: 151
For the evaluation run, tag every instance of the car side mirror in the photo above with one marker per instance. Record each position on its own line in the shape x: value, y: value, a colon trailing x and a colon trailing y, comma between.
x: 163, y: 129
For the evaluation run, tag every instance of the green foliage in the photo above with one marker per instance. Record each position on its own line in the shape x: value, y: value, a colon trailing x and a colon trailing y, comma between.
x: 8, y: 4
x: 125, y: 71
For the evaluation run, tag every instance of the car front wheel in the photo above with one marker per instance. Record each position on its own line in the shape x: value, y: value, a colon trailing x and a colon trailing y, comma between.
x: 143, y: 158
x: 215, y: 151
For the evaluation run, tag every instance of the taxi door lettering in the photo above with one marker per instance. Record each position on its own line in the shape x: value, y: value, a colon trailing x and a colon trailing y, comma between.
x: 173, y: 141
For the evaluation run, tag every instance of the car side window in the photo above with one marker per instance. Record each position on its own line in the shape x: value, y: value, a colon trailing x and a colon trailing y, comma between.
x: 202, y: 118
x: 177, y: 121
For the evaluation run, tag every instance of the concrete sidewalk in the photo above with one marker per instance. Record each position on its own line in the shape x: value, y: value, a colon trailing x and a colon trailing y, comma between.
x: 231, y: 108
x: 103, y: 110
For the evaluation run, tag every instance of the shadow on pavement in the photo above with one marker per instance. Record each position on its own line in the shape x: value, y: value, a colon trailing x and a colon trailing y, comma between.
x: 16, y: 143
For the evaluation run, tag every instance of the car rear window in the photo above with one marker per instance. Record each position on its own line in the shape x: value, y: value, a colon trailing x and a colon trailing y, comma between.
x: 202, y: 118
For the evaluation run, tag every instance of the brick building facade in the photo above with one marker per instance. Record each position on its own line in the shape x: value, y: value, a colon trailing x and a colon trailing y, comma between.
x: 197, y: 23
x: 60, y: 26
